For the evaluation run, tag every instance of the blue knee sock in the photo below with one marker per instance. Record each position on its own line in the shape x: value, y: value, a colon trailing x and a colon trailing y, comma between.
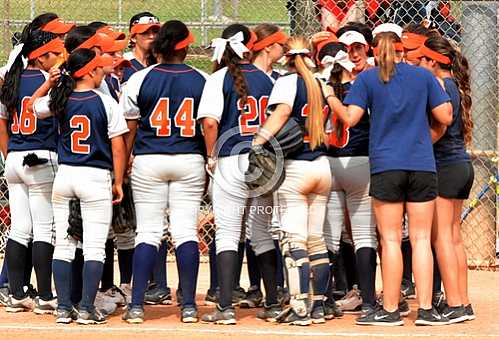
x: 159, y: 273
x: 3, y: 275
x: 62, y: 272
x: 252, y: 265
x: 188, y: 268
x: 77, y: 277
x: 280, y: 265
x: 144, y: 259
x: 212, y: 253
x: 92, y: 273
x: 320, y: 273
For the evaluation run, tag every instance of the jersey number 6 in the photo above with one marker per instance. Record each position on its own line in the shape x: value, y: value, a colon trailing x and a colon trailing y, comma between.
x: 82, y: 125
x: 184, y: 118
x: 26, y: 122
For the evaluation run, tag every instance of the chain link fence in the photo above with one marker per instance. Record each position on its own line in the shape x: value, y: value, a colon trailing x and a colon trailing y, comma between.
x: 473, y: 25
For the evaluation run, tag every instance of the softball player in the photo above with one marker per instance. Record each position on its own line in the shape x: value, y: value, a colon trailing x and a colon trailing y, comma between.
x: 232, y: 106
x: 349, y: 162
x: 160, y: 103
x: 30, y: 169
x: 143, y: 28
x: 90, y: 147
x: 398, y: 114
x: 267, y: 50
x: 303, y: 194
x: 454, y: 171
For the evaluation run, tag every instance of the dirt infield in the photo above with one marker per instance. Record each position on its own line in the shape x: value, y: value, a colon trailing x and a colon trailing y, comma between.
x: 162, y: 322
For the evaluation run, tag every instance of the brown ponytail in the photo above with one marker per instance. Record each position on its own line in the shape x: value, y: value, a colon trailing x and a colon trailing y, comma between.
x: 315, y: 120
x: 384, y: 42
x: 461, y: 72
x: 232, y: 61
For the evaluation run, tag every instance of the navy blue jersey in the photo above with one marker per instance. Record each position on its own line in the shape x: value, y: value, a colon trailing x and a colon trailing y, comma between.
x: 275, y: 75
x: 91, y: 120
x: 128, y: 71
x: 164, y: 99
x: 290, y: 89
x: 450, y: 148
x: 237, y: 124
x: 27, y: 132
x: 357, y: 136
x: 399, y: 136
x: 113, y: 84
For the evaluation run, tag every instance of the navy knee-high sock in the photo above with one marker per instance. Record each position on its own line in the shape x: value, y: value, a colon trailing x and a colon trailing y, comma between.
x: 16, y: 257
x: 42, y: 262
x: 212, y: 253
x: 437, y: 278
x: 159, y: 273
x: 348, y: 254
x: 3, y: 275
x: 227, y: 262
x: 252, y: 265
x: 333, y: 262
x: 28, y: 268
x: 267, y: 263
x: 240, y: 258
x: 366, y: 270
x: 144, y: 260
x: 62, y: 279
x: 188, y: 268
x: 107, y: 280
x: 279, y: 264
x: 407, y: 260
x: 77, y: 277
x: 92, y: 273
x: 321, y: 274
x: 125, y: 262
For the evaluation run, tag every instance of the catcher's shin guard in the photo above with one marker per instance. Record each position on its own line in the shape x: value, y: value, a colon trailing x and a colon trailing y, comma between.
x: 297, y: 270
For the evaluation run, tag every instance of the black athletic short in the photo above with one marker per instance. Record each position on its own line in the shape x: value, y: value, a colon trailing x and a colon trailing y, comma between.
x: 404, y: 186
x: 455, y: 180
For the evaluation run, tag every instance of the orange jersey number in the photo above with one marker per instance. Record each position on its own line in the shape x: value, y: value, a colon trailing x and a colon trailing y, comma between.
x: 340, y: 135
x: 183, y: 119
x: 26, y: 122
x: 82, y: 125
x: 252, y: 115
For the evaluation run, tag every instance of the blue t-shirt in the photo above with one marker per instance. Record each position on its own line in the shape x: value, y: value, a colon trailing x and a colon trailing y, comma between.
x: 128, y: 71
x: 290, y: 89
x: 357, y: 136
x: 237, y: 124
x: 27, y: 132
x: 91, y: 120
x: 400, y: 136
x: 164, y: 99
x: 450, y: 148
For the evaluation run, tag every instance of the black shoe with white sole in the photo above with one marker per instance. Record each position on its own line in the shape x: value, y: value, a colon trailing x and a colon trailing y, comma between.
x: 221, y: 316
x: 94, y: 317
x: 381, y: 317
x: 430, y: 317
x: 470, y: 314
x: 66, y: 316
x: 404, y: 308
x: 269, y: 313
x: 455, y: 314
x: 189, y: 315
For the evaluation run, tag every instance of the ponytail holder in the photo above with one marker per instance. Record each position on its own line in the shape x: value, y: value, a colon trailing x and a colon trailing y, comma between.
x: 235, y: 42
x: 301, y: 51
x: 186, y: 42
x: 340, y: 58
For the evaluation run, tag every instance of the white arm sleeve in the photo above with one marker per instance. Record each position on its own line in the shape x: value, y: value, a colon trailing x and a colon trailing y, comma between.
x: 130, y: 93
x: 212, y: 99
x: 284, y: 90
x: 41, y: 107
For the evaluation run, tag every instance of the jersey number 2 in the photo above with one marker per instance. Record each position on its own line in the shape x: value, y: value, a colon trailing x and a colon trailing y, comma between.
x: 252, y: 112
x: 81, y: 134
x: 26, y: 122
x: 183, y: 119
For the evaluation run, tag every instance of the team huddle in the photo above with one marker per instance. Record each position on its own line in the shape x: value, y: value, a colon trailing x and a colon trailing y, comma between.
x: 378, y: 168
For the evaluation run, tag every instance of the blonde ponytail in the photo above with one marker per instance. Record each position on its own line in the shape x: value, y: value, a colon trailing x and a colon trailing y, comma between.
x: 384, y: 43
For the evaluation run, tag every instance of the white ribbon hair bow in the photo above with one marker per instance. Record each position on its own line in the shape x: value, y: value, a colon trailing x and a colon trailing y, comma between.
x: 341, y: 58
x: 235, y: 42
x: 13, y: 56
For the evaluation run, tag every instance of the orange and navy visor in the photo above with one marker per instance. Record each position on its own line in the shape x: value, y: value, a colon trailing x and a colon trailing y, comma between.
x: 55, y: 46
x: 278, y: 37
x: 97, y: 61
x: 143, y: 24
x: 100, y: 40
x: 121, y: 62
x: 108, y: 30
x: 426, y: 52
x: 57, y: 26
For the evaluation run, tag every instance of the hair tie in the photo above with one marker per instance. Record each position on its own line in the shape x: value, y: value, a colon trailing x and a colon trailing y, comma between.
x: 340, y: 58
x: 235, y: 42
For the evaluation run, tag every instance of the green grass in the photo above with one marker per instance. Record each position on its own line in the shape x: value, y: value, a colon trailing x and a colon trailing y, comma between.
x: 189, y: 11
